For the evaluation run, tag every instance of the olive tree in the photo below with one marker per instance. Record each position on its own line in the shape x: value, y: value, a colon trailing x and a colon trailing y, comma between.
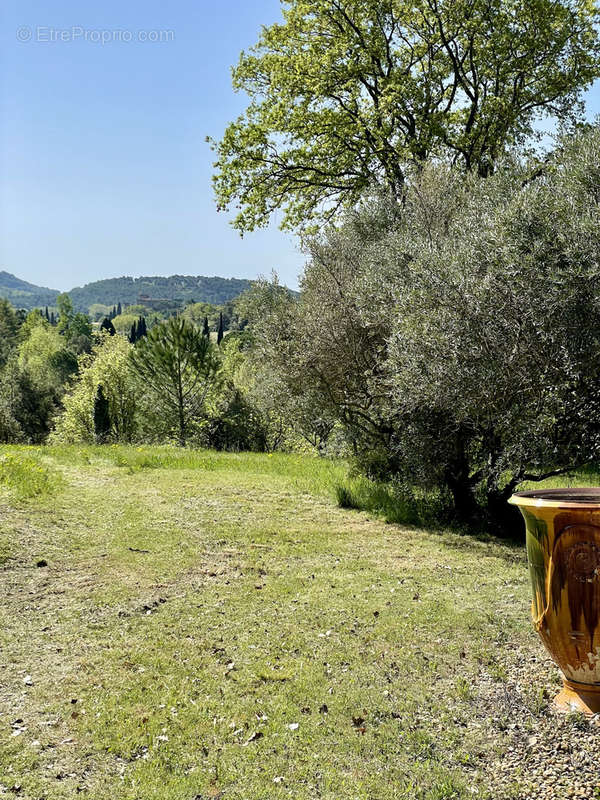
x: 459, y: 341
x: 494, y: 355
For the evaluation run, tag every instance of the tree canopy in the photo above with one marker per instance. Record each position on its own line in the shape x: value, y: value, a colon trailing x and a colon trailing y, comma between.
x: 345, y: 93
x: 108, y: 365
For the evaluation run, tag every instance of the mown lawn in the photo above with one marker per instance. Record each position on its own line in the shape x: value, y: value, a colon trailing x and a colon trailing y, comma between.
x: 214, y: 626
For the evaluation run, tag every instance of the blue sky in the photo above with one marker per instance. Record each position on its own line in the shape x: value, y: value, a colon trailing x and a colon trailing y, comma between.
x: 104, y: 166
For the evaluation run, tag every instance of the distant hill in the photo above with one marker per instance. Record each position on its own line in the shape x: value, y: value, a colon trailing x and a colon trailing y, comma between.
x: 25, y: 295
x: 153, y: 292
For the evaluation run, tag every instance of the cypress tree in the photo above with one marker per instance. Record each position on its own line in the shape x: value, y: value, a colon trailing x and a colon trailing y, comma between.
x: 52, y: 318
x: 113, y: 313
x: 133, y: 334
x: 141, y: 330
x: 220, y: 331
x: 119, y: 309
x: 47, y: 315
x: 206, y: 329
x: 101, y: 416
x: 108, y: 326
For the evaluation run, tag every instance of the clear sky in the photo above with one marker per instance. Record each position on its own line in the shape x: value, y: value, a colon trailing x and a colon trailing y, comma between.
x: 104, y: 166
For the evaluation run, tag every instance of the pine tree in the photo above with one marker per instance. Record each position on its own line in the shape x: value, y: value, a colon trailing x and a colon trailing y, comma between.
x: 206, y: 329
x: 101, y: 416
x: 133, y: 334
x: 119, y: 309
x: 108, y: 326
x: 179, y: 365
x: 220, y: 331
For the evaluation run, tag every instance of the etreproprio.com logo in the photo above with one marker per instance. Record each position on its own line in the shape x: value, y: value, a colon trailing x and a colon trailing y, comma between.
x: 46, y: 34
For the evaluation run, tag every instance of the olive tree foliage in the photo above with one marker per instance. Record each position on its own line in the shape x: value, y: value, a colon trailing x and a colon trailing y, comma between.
x: 493, y: 362
x: 459, y: 343
x: 108, y: 366
x: 344, y: 94
x: 324, y: 357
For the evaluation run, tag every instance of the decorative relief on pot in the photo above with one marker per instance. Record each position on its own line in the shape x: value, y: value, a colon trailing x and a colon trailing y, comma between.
x: 583, y: 562
x: 574, y: 588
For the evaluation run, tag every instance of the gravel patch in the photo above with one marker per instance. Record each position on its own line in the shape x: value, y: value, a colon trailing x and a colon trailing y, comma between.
x: 546, y: 754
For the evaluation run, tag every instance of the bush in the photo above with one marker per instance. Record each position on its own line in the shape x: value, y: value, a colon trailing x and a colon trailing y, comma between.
x: 234, y: 425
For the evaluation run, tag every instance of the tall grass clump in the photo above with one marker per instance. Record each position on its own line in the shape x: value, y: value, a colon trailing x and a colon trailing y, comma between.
x: 304, y: 473
x: 394, y: 502
x: 24, y: 476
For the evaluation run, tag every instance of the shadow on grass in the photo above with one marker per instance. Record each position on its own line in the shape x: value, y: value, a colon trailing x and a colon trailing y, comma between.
x: 401, y: 505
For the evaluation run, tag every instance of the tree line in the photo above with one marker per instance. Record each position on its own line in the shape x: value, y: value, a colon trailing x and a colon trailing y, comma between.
x: 179, y: 380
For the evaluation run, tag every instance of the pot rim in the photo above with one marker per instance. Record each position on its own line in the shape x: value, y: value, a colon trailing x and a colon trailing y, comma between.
x: 559, y: 498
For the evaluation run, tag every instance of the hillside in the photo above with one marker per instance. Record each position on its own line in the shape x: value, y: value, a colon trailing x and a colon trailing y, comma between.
x: 155, y: 292
x: 23, y: 294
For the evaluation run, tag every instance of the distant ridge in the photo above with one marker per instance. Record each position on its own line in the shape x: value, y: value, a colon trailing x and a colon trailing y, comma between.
x: 131, y: 291
x: 23, y: 294
x: 127, y: 291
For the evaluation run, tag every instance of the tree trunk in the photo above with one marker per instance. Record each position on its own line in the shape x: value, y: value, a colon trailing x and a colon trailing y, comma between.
x: 181, y: 411
x: 460, y: 483
x: 466, y: 508
x: 505, y: 519
x: 181, y: 426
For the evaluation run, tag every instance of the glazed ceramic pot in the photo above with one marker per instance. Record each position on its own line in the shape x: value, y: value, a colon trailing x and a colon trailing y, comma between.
x: 563, y: 550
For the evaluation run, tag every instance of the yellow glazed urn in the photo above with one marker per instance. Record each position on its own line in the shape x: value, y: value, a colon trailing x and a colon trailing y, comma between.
x: 563, y: 551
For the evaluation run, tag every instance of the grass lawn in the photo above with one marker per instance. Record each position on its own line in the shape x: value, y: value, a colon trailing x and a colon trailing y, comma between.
x: 214, y: 626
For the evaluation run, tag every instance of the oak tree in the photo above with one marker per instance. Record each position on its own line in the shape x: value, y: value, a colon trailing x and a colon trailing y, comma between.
x: 345, y: 93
